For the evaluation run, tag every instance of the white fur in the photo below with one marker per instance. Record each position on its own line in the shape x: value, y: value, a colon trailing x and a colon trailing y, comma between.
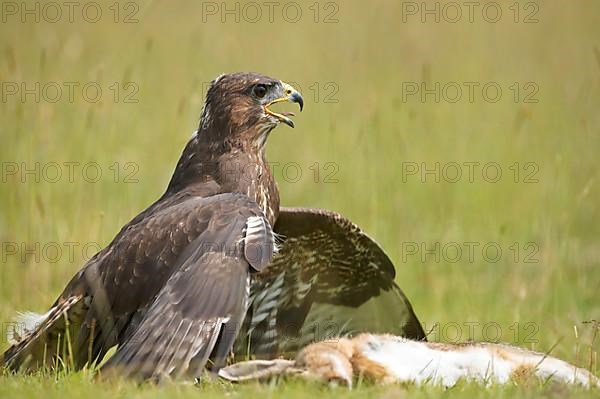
x: 405, y: 360
x: 414, y: 361
x: 485, y: 363
x: 338, y: 366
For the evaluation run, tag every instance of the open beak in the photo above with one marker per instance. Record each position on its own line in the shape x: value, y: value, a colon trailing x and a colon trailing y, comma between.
x: 292, y: 95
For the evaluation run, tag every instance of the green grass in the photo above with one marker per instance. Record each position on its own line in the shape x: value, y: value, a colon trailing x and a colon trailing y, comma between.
x: 367, y: 134
x: 81, y: 386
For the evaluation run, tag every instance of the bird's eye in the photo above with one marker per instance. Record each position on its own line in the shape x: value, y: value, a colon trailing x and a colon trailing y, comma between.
x: 260, y: 91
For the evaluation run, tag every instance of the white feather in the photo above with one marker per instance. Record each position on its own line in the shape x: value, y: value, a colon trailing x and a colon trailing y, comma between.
x: 24, y: 324
x: 257, y: 225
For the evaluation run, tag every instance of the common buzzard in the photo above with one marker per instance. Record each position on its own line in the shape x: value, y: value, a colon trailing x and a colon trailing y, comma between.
x: 172, y: 289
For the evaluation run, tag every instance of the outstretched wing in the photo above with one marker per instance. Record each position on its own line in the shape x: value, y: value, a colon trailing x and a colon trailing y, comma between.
x: 200, y: 309
x: 329, y: 279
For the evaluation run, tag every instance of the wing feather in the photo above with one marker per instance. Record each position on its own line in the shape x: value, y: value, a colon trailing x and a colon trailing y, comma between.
x: 329, y: 279
x: 204, y: 298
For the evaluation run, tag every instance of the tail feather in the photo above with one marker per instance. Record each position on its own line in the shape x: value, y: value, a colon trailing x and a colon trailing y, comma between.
x: 25, y: 324
x: 35, y: 339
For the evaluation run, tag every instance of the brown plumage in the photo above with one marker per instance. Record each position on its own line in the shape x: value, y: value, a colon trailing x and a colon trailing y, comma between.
x: 329, y: 279
x: 172, y: 288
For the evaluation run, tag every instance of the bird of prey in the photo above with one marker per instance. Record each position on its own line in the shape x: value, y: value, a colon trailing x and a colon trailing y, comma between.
x: 173, y: 288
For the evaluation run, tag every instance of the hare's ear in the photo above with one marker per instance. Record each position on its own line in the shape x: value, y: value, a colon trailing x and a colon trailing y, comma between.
x: 256, y: 370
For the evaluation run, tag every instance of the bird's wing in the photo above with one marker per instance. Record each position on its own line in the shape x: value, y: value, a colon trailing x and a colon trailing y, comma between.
x: 157, y: 263
x: 200, y: 309
x: 329, y: 279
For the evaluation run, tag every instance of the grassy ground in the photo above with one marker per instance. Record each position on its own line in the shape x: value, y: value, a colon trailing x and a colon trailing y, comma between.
x: 362, y: 130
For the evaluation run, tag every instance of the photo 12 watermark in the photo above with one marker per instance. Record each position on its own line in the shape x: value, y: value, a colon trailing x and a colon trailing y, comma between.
x: 51, y: 252
x: 465, y: 331
x: 69, y: 172
x: 252, y: 12
x: 53, y: 12
x: 69, y: 91
x: 470, y: 92
x: 470, y: 172
x: 452, y: 12
x: 468, y: 252
x: 326, y: 92
x: 289, y: 172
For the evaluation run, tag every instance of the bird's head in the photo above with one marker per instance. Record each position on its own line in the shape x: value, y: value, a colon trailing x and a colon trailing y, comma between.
x: 238, y: 107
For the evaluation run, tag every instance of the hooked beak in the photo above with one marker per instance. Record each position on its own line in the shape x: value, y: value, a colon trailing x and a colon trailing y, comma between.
x: 292, y: 95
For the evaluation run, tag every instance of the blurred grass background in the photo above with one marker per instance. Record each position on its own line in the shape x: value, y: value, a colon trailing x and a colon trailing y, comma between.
x: 368, y: 132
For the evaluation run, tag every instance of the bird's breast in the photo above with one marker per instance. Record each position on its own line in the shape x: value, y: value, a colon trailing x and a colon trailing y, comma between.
x: 266, y: 195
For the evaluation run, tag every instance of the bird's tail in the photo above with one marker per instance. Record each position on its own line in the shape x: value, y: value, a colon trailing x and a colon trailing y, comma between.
x: 42, y: 340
